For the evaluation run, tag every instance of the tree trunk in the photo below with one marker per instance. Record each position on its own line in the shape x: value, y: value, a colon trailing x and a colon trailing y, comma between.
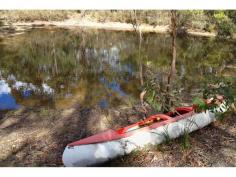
x: 173, y: 63
x: 139, y: 58
x: 55, y: 59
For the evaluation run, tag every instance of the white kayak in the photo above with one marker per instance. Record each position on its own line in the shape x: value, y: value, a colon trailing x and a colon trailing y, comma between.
x: 154, y: 130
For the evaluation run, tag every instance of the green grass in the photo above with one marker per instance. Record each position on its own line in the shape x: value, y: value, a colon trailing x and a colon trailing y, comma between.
x: 166, y: 136
x: 185, y: 140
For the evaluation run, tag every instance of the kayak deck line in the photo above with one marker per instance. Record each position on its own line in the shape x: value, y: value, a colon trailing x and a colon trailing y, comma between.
x: 141, y: 126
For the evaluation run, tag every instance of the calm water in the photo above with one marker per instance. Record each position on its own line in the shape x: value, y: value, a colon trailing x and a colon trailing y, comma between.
x: 59, y: 68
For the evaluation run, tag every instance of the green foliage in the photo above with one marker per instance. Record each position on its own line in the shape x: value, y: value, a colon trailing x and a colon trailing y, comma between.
x: 166, y: 136
x: 221, y: 87
x: 223, y: 22
x: 232, y: 15
x: 225, y: 87
x: 191, y: 18
x: 201, y: 105
x: 224, y: 25
x: 158, y: 97
x: 185, y: 140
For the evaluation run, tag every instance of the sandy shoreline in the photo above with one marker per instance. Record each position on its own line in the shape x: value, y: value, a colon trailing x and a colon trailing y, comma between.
x: 19, y: 27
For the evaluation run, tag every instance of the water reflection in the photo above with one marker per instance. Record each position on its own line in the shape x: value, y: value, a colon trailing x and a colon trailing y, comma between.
x: 113, y: 85
x: 103, y: 104
x: 61, y: 67
x: 7, y: 101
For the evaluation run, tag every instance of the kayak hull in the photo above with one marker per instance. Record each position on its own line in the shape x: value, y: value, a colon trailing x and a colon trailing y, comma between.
x: 97, y: 153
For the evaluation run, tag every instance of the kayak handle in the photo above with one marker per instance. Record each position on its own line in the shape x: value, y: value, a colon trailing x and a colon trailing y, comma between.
x: 145, y: 122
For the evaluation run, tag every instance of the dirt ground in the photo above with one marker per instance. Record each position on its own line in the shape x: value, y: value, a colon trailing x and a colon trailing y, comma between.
x: 38, y: 136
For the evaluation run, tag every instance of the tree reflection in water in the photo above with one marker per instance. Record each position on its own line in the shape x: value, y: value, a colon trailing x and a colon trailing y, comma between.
x: 73, y: 62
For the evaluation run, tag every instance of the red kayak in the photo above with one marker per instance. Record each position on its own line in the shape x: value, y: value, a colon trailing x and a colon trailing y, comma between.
x: 149, y: 123
x: 153, y: 130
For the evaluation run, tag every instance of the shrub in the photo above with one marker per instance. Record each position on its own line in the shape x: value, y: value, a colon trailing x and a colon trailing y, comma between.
x: 224, y: 26
x: 221, y: 21
x: 32, y: 15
